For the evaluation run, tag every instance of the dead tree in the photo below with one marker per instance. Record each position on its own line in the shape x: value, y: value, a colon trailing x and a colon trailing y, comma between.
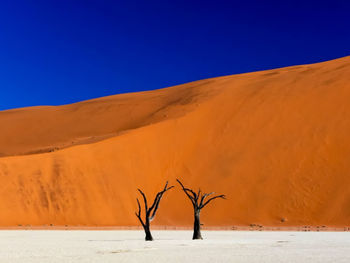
x: 199, y: 200
x: 150, y: 212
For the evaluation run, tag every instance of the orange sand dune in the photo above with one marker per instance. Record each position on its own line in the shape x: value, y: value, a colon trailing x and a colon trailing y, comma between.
x: 276, y: 142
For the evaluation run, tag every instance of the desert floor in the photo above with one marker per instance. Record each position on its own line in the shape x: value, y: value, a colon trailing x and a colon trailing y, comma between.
x: 173, y: 246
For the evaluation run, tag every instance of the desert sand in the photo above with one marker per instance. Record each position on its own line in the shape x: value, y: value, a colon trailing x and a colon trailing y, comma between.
x: 275, y: 142
x: 174, y: 246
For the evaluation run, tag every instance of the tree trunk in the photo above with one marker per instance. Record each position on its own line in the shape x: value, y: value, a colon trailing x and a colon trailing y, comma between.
x: 197, y: 226
x: 148, y: 235
x: 148, y: 231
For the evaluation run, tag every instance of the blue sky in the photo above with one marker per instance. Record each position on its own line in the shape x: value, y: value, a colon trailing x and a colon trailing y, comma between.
x: 59, y: 52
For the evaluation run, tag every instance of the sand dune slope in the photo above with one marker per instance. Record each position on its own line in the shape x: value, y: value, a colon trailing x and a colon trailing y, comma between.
x: 275, y: 142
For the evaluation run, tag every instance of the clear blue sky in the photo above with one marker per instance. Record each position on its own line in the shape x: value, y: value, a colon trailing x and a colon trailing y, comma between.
x: 57, y: 52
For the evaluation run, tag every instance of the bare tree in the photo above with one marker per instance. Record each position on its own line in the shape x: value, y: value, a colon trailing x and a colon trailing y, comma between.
x: 151, y: 211
x: 199, y: 200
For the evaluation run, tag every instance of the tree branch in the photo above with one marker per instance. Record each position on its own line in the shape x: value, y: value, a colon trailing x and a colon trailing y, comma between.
x: 138, y: 214
x: 209, y: 200
x: 145, y: 201
x: 156, y: 201
x: 193, y: 198
x: 203, y: 197
x: 139, y: 206
x: 155, y: 206
x: 198, y: 194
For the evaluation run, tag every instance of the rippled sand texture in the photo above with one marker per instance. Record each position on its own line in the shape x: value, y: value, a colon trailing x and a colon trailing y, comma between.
x: 275, y: 142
